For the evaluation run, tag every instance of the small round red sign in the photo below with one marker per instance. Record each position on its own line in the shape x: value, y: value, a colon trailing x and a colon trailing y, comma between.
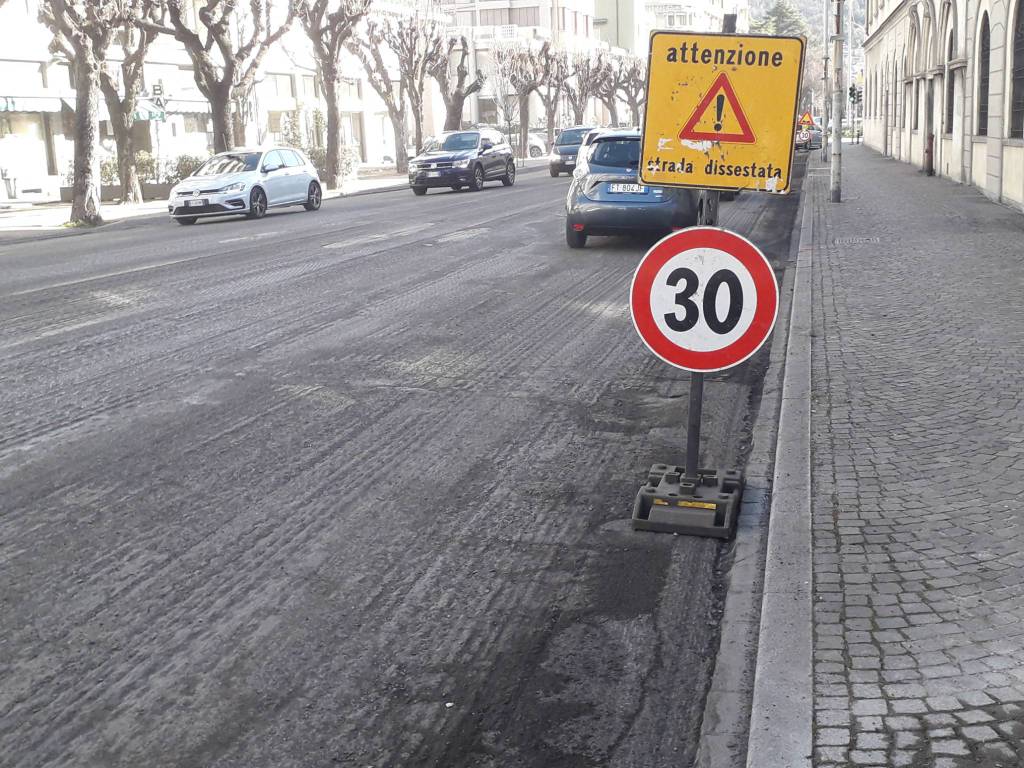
x: 704, y: 299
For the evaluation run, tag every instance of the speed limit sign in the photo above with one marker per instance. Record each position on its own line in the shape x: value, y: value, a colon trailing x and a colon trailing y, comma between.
x: 704, y: 299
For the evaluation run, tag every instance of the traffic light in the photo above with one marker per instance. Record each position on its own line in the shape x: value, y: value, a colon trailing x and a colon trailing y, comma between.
x: 855, y: 94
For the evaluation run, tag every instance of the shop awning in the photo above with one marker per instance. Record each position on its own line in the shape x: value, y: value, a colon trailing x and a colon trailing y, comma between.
x: 189, y: 106
x: 29, y: 104
x: 101, y: 108
x: 147, y: 110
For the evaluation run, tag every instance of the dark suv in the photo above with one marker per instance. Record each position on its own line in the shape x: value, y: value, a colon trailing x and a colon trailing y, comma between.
x: 565, y: 149
x: 463, y: 159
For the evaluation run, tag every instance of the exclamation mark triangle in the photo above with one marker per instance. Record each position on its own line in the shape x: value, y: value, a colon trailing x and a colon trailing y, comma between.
x: 720, y: 93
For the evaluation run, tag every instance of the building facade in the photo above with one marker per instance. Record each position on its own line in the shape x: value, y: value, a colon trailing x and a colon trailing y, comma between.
x: 944, y: 89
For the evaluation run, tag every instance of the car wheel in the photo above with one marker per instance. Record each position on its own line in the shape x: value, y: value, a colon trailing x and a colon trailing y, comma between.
x: 185, y: 221
x: 553, y: 172
x: 536, y: 151
x: 257, y: 204
x: 419, y: 191
x: 478, y: 179
x: 573, y: 238
x: 510, y: 175
x: 314, y: 197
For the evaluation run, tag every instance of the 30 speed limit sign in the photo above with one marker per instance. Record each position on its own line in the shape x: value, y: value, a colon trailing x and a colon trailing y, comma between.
x: 704, y: 299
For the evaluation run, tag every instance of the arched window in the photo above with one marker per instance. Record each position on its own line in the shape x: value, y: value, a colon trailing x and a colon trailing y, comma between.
x: 1017, y: 74
x: 984, y: 51
x: 950, y: 83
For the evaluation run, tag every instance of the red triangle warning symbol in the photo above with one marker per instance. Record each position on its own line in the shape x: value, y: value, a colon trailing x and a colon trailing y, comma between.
x: 720, y: 92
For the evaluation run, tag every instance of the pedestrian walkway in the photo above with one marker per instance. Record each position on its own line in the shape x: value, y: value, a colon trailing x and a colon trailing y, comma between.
x: 917, y: 461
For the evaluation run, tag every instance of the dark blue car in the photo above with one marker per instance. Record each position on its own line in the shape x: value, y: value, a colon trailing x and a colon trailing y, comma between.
x: 463, y: 159
x: 607, y: 198
x: 565, y: 149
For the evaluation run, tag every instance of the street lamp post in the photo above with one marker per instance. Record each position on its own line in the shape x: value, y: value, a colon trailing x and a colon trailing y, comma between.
x: 836, y: 174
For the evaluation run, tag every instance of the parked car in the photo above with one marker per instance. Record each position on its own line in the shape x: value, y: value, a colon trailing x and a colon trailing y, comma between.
x: 584, y: 151
x: 608, y: 198
x: 808, y: 137
x: 246, y: 182
x: 463, y: 159
x: 567, y: 146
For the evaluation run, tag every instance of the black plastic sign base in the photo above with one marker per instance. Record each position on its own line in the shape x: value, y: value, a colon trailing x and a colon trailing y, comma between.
x: 707, y: 505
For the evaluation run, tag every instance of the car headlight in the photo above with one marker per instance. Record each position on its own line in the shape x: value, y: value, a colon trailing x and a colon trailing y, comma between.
x: 554, y: 155
x: 461, y: 163
x: 414, y: 166
x: 238, y: 186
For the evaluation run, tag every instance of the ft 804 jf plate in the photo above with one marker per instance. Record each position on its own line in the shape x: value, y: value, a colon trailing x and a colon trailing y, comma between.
x: 707, y: 505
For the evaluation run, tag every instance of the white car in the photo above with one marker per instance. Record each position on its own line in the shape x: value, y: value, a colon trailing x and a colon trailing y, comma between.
x: 246, y: 182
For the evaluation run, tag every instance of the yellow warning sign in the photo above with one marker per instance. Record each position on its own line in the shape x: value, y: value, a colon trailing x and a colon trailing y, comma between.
x: 806, y: 120
x: 720, y: 111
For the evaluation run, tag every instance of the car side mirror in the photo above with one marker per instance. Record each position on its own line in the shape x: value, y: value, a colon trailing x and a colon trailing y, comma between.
x: 486, y: 145
x: 270, y: 168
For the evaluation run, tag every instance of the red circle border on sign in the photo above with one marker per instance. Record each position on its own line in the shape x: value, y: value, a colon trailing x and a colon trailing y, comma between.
x: 746, y: 253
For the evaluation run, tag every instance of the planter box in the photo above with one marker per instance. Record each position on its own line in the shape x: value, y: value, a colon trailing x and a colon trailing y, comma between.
x: 110, y: 193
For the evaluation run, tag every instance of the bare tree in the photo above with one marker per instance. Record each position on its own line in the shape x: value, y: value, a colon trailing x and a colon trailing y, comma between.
x: 82, y: 31
x: 524, y: 68
x: 329, y: 24
x: 418, y: 42
x: 506, y: 103
x: 135, y: 41
x: 582, y: 83
x: 369, y: 49
x: 556, y: 70
x: 633, y: 84
x: 455, y: 91
x: 607, y: 86
x: 226, y: 48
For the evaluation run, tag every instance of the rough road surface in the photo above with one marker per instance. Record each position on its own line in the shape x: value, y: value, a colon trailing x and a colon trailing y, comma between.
x: 348, y: 488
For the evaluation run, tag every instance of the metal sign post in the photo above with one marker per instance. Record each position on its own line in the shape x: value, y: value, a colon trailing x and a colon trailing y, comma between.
x: 702, y: 299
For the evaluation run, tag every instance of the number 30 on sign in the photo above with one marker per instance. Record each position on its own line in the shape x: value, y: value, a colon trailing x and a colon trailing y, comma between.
x: 704, y: 299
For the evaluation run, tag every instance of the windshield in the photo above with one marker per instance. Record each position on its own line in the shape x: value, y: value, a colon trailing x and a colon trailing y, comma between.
x: 571, y: 137
x: 456, y: 142
x: 617, y: 153
x: 233, y: 162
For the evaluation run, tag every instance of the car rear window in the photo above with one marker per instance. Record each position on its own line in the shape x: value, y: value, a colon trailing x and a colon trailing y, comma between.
x: 617, y: 153
x: 571, y: 137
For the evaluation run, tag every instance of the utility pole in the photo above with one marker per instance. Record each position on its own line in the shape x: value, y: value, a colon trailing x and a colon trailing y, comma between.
x: 836, y: 180
x: 825, y: 92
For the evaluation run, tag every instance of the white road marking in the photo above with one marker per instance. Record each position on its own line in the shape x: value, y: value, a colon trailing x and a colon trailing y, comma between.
x: 258, y: 236
x: 369, y: 239
x: 468, y: 234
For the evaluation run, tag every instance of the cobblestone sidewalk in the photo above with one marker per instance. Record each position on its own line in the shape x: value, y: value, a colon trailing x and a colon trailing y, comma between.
x: 918, y: 471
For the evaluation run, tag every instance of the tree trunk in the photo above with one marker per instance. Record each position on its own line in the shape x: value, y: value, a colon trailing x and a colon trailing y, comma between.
x: 120, y: 122
x: 524, y: 125
x: 613, y: 113
x: 223, y: 125
x: 552, y: 113
x: 334, y: 177
x: 577, y: 111
x: 417, y: 121
x: 453, y: 112
x: 85, y: 194
x: 401, y: 139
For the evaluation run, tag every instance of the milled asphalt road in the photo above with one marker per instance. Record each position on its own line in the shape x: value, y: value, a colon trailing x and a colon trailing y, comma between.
x: 349, y: 488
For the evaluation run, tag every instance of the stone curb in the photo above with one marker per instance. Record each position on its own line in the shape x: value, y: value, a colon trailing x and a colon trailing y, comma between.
x: 724, y: 728
x: 782, y: 711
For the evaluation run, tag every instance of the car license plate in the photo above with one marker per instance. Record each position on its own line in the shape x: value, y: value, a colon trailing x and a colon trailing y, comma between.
x: 195, y: 203
x: 570, y: 161
x: 632, y: 189
x: 433, y: 174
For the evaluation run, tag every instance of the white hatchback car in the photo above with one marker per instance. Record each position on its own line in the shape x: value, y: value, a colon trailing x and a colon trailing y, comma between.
x: 246, y: 182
